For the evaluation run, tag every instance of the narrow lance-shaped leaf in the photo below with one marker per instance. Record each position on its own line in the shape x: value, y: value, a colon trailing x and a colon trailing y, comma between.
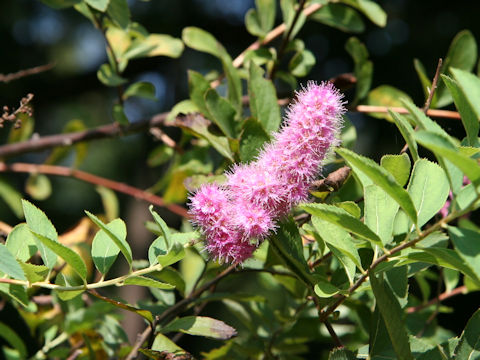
x: 342, y: 218
x: 201, y: 326
x: 121, y: 243
x: 163, y: 226
x: 407, y: 133
x: 382, y: 178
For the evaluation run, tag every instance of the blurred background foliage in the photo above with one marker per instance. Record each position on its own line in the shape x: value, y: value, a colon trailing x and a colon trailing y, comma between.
x: 34, y: 34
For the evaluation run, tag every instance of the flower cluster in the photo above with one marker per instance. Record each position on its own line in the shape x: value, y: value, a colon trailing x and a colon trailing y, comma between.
x: 237, y: 216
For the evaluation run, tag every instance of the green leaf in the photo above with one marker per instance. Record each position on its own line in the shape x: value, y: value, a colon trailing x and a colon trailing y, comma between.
x: 422, y: 120
x: 393, y: 317
x: 363, y: 69
x: 252, y: 140
x: 337, y: 237
x: 263, y: 99
x: 163, y: 227
x: 119, y: 114
x: 141, y: 89
x: 370, y: 9
x: 163, y: 45
x: 183, y: 107
x: 60, y: 4
x: 120, y: 242
x: 341, y: 17
x: 60, y: 153
x: 100, y: 5
x: 221, y: 112
x: 462, y: 54
x: 397, y: 165
x: 67, y: 254
x: 12, y: 198
x: 147, y: 315
x: 469, y: 345
x: 108, y: 77
x: 13, y: 340
x: 341, y: 354
x: 467, y: 244
x: 16, y: 292
x: 287, y: 244
x: 21, y: 242
x: 201, y: 326
x: 198, y: 87
x: 425, y: 81
x: 9, y: 265
x: 325, y: 289
x: 38, y: 223
x: 148, y: 282
x: 104, y: 249
x: 343, y: 219
x: 385, y: 95
x: 382, y: 178
x: 380, y: 211
x: 38, y: 186
x: 24, y: 132
x: 301, y: 63
x: 109, y: 202
x: 467, y: 89
x: 407, y: 133
x: 442, y: 146
x: 175, y: 254
x: 428, y: 188
x: 289, y: 10
x: 119, y: 12
x: 67, y: 281
x: 163, y: 343
x: 35, y: 273
x: 260, y: 21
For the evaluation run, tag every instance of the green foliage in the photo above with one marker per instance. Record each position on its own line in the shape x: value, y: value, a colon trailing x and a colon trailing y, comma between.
x: 371, y: 258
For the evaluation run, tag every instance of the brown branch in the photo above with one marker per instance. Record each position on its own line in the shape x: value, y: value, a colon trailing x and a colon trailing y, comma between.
x: 24, y: 73
x: 333, y: 181
x: 92, y: 179
x: 457, y: 291
x: 384, y: 109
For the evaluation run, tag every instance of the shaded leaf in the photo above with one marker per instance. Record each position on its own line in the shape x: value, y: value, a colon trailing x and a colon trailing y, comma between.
x: 469, y: 345
x: 341, y: 354
x: 252, y: 140
x: 201, y: 326
x: 141, y: 89
x: 108, y: 77
x: 13, y: 340
x: 221, y: 112
x: 109, y: 202
x: 341, y: 17
x: 407, y: 133
x: 119, y: 12
x: 100, y: 5
x: 370, y: 9
x: 9, y: 265
x: 38, y: 186
x: 363, y: 69
x: 467, y: 244
x: 301, y: 63
x: 149, y: 282
x: 12, y: 198
x: 385, y: 95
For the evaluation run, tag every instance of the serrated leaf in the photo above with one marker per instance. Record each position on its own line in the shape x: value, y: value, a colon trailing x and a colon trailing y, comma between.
x: 201, y: 326
x: 397, y: 165
x: 263, y: 99
x: 393, y: 317
x: 343, y: 219
x: 35, y: 273
x: 380, y: 211
x: 428, y: 188
x: 341, y: 17
x: 382, y: 178
x: 149, y: 282
x: 462, y: 54
x: 141, y: 89
x: 38, y: 186
x: 70, y: 256
x: 38, y: 223
x: 443, y: 147
x: 120, y: 242
x: 252, y: 140
x: 9, y: 265
x: 341, y: 354
x: 104, y: 249
x: 221, y: 112
x: 407, y: 133
x: 469, y: 345
x: 370, y: 9
x: 11, y: 197
x: 21, y: 242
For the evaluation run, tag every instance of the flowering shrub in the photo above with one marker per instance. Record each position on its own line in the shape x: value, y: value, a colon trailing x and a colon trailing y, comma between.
x: 327, y: 253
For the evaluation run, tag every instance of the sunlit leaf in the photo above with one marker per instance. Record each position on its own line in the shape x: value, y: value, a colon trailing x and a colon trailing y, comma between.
x: 201, y: 326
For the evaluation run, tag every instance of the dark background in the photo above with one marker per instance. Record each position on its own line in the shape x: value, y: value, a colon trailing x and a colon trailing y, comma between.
x: 33, y: 34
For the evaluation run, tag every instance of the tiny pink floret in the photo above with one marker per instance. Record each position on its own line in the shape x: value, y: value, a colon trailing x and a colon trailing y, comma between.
x: 237, y: 216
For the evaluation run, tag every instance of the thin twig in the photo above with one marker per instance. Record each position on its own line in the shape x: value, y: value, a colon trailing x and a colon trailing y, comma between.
x: 384, y: 109
x: 457, y: 291
x: 92, y: 179
x: 333, y: 334
x: 24, y: 73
